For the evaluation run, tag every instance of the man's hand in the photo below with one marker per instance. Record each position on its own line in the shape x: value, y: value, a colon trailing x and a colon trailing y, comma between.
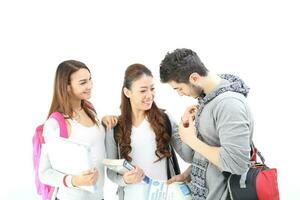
x: 187, y: 134
x: 184, y: 177
x: 189, y: 111
x: 109, y: 121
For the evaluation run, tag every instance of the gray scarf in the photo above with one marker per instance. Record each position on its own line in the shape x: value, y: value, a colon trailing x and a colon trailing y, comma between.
x: 199, y: 167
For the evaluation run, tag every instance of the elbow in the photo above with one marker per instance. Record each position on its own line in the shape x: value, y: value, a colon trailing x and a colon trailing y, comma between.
x: 234, y: 163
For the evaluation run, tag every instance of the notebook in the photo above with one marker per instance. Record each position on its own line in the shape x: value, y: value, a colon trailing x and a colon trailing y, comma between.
x: 69, y: 157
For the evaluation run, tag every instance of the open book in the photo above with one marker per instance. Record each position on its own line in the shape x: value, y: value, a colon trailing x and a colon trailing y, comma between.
x: 69, y: 157
x: 156, y: 189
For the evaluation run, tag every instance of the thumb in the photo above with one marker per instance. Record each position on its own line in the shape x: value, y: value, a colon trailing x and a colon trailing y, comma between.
x: 171, y: 180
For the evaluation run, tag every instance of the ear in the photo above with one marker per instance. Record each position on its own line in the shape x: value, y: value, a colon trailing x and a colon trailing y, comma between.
x: 69, y: 89
x: 126, y: 92
x: 194, y: 78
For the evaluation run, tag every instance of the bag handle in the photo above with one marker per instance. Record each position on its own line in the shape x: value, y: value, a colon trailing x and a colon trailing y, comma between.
x: 254, y: 152
x: 62, y: 124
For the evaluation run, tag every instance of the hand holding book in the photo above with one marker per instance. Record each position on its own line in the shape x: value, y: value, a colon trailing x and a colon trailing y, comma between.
x: 132, y: 173
x: 86, y: 178
x: 156, y: 189
x: 133, y: 176
x: 183, y: 177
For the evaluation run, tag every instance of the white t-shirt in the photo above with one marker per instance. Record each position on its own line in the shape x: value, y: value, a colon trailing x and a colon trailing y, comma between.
x: 143, y: 146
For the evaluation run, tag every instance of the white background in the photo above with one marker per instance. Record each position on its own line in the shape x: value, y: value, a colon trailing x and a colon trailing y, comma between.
x: 257, y: 40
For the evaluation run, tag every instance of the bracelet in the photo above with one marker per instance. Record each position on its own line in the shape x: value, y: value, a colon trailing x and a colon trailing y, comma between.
x: 64, y: 181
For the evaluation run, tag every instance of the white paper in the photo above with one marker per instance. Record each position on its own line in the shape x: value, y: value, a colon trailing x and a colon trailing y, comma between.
x: 159, y: 190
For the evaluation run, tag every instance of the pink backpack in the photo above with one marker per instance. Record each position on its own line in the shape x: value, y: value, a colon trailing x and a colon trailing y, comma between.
x: 44, y: 190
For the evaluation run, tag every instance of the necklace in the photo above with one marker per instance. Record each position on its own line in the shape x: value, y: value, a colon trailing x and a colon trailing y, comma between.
x: 77, y: 114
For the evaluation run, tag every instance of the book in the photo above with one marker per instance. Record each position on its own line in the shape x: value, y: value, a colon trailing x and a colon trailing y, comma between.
x: 156, y: 189
x: 121, y: 166
x: 69, y: 157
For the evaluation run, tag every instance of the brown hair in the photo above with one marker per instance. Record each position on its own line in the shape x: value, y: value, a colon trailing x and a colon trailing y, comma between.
x: 154, y: 115
x: 61, y: 98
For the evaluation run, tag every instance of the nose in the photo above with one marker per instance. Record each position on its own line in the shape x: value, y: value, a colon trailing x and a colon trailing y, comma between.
x: 149, y: 95
x: 90, y: 85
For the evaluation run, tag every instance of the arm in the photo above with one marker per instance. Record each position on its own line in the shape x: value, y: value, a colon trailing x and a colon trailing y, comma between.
x: 188, y: 136
x: 184, y: 151
x: 47, y: 174
x: 233, y: 128
x: 112, y: 153
x: 52, y: 177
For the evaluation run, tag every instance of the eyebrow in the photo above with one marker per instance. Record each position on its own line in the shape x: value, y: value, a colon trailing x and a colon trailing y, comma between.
x: 82, y: 80
x: 142, y: 87
x: 85, y: 79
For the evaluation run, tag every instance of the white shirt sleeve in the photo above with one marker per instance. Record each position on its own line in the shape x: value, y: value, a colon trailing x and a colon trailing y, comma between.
x: 47, y: 174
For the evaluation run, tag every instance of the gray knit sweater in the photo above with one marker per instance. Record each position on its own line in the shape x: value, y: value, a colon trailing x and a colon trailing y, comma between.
x: 224, y: 120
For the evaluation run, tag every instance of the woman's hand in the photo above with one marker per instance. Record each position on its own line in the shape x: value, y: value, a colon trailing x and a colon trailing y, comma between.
x: 86, y: 178
x: 109, y: 121
x: 134, y: 176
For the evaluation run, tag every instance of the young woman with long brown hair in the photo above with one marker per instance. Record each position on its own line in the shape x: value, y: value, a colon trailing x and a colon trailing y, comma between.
x: 142, y: 136
x: 72, y: 89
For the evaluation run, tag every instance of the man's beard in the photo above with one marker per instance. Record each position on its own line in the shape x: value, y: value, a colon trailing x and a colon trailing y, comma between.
x: 197, y: 91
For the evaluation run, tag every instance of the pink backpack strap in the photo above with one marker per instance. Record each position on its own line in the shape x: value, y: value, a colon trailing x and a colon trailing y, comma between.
x: 62, y: 124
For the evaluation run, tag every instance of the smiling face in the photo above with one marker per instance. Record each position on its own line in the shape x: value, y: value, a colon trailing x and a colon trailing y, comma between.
x: 81, y: 84
x: 141, y: 94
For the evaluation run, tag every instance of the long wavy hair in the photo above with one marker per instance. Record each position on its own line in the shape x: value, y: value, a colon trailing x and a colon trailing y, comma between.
x: 155, y: 116
x: 61, y: 101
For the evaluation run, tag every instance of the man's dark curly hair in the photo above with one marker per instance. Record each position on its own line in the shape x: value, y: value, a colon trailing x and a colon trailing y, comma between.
x: 179, y: 65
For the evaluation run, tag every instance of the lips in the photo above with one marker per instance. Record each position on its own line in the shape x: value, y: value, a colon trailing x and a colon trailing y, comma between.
x: 148, y: 103
x: 87, y: 93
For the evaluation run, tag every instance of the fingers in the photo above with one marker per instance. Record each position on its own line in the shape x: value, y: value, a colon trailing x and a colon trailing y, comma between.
x: 134, y: 176
x: 115, y: 120
x: 177, y: 178
x: 110, y: 121
x: 171, y: 180
x: 189, y: 113
x: 109, y: 124
x: 193, y: 108
x: 88, y: 177
x: 92, y: 177
x: 87, y: 172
